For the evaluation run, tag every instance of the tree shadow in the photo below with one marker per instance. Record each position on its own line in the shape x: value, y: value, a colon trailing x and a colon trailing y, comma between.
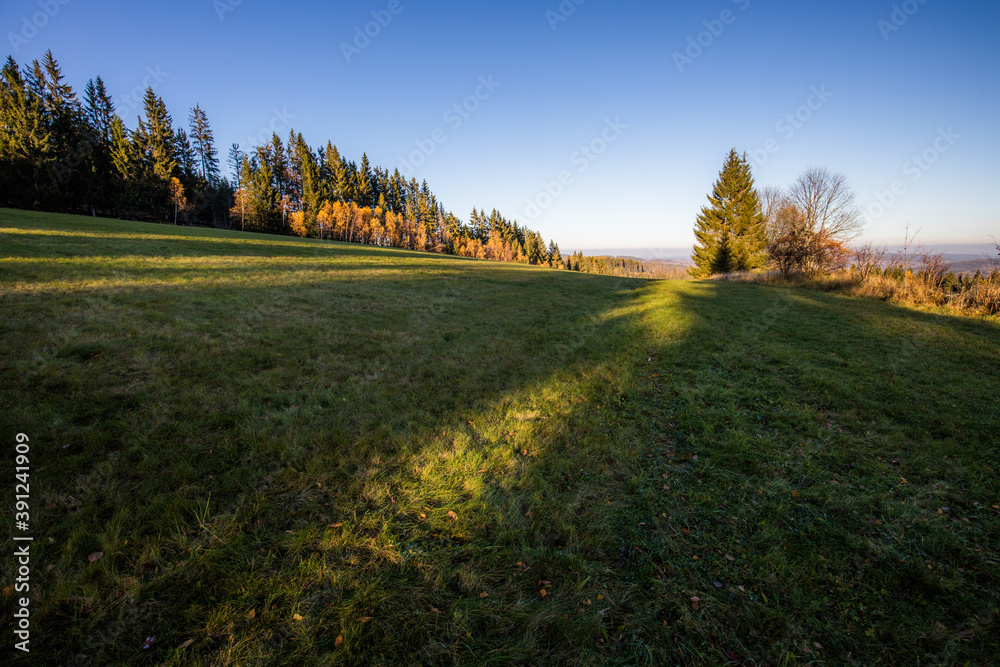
x: 216, y: 433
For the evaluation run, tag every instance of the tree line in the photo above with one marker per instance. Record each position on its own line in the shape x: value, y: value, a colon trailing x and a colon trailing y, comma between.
x: 61, y: 153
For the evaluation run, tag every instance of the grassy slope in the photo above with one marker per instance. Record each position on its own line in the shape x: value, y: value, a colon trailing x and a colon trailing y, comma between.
x: 256, y: 430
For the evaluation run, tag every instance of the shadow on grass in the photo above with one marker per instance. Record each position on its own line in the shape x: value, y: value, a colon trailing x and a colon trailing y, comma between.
x: 213, y: 443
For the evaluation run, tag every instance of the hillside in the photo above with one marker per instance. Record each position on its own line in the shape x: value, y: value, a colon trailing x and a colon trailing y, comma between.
x: 970, y: 266
x: 266, y: 450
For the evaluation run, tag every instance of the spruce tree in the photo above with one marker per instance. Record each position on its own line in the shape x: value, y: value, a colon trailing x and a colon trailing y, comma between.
x: 203, y: 143
x: 363, y: 183
x: 730, y: 232
x: 155, y: 136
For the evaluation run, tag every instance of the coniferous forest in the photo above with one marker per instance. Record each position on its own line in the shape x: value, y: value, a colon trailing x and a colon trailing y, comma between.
x: 62, y: 153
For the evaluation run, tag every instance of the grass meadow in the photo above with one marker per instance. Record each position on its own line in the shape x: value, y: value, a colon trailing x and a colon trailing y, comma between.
x: 295, y: 452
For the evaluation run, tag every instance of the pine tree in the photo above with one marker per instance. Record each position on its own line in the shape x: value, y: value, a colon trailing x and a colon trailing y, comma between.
x: 126, y: 168
x: 203, y: 142
x: 731, y: 233
x: 155, y: 136
x: 26, y: 147
x: 363, y: 183
x: 235, y: 163
x: 186, y: 157
x: 99, y: 109
x: 311, y: 197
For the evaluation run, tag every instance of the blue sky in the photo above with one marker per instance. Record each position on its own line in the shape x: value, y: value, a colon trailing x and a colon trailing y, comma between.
x: 561, y: 77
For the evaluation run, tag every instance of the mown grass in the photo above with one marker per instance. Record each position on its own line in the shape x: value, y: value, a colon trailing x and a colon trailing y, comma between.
x: 296, y: 452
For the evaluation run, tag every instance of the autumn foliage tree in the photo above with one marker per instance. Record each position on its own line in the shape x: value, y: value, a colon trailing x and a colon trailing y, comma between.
x: 810, y: 225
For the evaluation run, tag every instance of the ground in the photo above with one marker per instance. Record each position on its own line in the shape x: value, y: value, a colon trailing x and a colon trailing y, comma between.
x: 264, y: 450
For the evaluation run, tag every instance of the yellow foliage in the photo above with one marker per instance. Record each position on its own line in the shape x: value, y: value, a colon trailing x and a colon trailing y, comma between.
x: 297, y: 223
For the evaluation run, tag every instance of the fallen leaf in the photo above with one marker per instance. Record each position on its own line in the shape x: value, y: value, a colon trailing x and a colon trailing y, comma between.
x: 905, y: 481
x: 365, y: 619
x: 297, y: 617
x: 96, y: 556
x: 695, y: 601
x: 818, y: 645
x: 336, y: 525
x: 484, y: 594
x: 149, y: 642
x: 718, y: 584
x: 542, y: 583
x: 694, y: 458
x: 435, y: 610
x: 252, y: 613
x: 452, y: 515
x: 187, y: 643
x: 796, y: 494
x: 423, y: 516
x: 587, y: 602
x: 600, y: 597
x: 543, y: 592
x: 695, y: 557
x: 730, y: 557
x: 742, y: 589
x: 338, y: 641
x: 8, y: 590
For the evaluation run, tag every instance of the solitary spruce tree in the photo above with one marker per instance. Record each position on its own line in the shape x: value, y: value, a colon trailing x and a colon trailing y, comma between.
x: 730, y: 233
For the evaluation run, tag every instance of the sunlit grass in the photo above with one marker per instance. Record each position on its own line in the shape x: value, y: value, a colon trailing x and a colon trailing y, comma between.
x: 307, y: 453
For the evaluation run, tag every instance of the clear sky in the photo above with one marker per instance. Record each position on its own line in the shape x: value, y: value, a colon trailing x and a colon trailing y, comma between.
x: 924, y: 83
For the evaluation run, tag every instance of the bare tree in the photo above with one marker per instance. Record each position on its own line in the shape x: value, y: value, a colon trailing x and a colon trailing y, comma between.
x: 908, y: 252
x: 790, y: 241
x: 828, y: 203
x: 771, y: 200
x: 933, y: 269
x: 868, y: 258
